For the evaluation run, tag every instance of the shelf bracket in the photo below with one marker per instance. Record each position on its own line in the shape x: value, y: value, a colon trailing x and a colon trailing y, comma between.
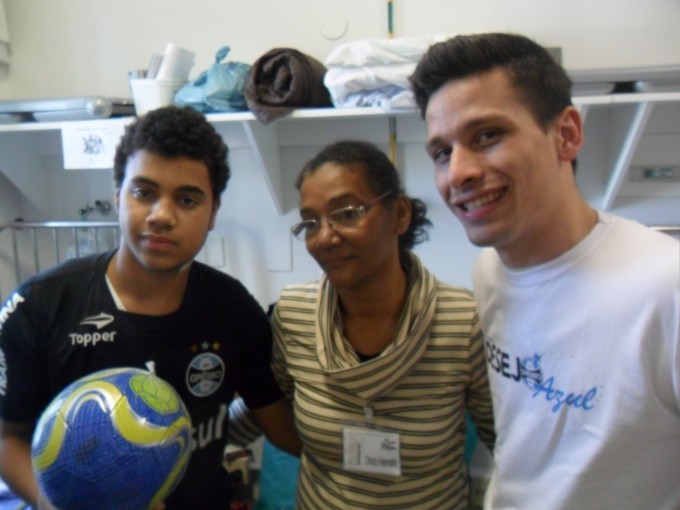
x: 22, y: 159
x: 628, y: 143
x: 264, y: 141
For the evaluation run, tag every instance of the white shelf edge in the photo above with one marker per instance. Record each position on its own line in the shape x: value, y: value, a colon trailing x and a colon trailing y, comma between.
x: 355, y: 112
x: 300, y: 113
x: 57, y: 125
x: 315, y: 113
x: 632, y: 97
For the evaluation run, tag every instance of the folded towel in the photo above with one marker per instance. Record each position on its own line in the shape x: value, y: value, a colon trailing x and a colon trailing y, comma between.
x: 386, y: 86
x: 375, y: 72
x: 381, y: 52
x: 284, y: 79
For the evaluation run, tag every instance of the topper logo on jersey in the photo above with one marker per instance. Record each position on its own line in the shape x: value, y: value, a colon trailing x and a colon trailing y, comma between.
x: 91, y: 339
x: 205, y: 374
x: 99, y: 321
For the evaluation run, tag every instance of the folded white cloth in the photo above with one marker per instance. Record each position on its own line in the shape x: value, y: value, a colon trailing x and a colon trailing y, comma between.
x: 375, y: 72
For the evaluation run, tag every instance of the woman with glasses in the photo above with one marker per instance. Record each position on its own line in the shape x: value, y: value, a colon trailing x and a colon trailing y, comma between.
x: 380, y: 358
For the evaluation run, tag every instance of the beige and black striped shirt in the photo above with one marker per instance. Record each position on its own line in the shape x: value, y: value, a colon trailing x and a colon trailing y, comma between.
x: 419, y: 388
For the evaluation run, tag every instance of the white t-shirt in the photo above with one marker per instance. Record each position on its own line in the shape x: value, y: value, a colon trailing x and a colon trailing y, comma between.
x: 583, y: 354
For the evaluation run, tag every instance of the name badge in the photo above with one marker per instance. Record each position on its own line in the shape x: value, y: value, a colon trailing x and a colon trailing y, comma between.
x: 371, y: 451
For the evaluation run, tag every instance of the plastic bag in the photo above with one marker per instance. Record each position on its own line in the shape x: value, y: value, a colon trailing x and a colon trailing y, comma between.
x: 219, y: 89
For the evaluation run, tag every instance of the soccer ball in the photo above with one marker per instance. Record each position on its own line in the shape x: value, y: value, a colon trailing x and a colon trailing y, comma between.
x: 115, y: 439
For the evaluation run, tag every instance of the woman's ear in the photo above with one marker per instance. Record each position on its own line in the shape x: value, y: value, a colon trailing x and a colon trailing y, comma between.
x: 403, y: 214
x: 569, y: 130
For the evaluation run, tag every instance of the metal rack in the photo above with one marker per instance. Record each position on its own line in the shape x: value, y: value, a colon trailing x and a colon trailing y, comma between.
x: 28, y: 247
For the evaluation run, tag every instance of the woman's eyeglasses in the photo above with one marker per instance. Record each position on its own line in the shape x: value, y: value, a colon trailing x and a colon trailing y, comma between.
x: 345, y: 218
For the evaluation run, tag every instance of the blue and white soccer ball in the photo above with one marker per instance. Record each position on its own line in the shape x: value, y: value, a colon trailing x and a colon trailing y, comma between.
x: 115, y: 439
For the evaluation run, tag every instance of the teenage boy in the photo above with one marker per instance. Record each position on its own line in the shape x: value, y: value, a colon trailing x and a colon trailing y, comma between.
x: 146, y: 301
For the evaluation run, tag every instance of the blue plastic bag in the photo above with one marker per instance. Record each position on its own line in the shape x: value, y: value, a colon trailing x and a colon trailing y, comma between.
x: 219, y: 89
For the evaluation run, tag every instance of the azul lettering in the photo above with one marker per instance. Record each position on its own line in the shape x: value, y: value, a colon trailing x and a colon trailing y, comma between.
x: 91, y: 339
x: 10, y: 307
x: 207, y: 432
x: 562, y: 398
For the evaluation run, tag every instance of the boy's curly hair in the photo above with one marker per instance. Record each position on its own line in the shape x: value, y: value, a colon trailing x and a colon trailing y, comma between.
x: 173, y: 132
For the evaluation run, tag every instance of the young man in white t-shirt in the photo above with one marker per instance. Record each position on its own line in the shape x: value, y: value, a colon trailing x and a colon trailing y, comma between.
x: 580, y: 308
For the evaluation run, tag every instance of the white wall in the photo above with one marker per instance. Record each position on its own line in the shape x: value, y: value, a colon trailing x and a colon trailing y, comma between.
x: 76, y: 47
x: 86, y: 47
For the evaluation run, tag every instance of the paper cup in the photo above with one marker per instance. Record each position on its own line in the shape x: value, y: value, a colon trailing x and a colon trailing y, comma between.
x: 176, y: 64
x: 151, y: 94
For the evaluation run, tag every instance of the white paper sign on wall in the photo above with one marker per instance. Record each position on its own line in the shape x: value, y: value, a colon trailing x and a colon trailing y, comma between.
x: 90, y: 145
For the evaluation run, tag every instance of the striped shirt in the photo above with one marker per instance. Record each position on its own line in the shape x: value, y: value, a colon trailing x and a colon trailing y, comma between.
x: 418, y: 388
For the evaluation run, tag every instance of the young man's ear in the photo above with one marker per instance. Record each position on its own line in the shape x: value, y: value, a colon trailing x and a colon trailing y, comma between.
x: 569, y: 129
x: 213, y: 215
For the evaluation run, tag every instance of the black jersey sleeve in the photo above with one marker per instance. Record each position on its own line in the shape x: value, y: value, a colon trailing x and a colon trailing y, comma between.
x: 34, y: 325
x: 23, y: 376
x: 256, y: 382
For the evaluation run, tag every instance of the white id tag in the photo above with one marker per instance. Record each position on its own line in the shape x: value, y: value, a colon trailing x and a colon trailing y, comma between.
x: 371, y: 451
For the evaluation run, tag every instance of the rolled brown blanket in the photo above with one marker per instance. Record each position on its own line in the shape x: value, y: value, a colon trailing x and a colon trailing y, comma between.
x: 284, y: 79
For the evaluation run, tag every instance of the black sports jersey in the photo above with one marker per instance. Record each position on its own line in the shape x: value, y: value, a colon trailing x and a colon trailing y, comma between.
x: 63, y: 324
